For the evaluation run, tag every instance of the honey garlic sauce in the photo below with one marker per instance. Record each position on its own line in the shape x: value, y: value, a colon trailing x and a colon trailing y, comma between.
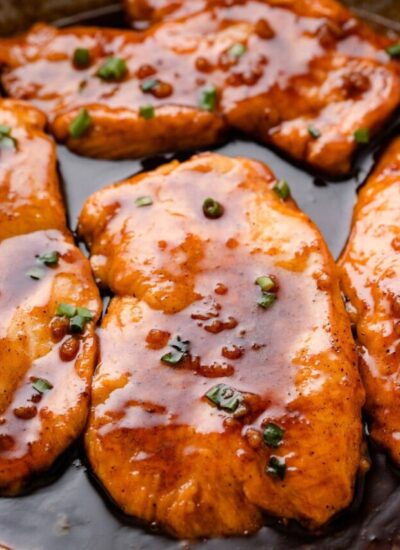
x: 294, y: 363
x: 370, y: 276
x: 29, y: 191
x: 36, y: 426
x: 292, y: 70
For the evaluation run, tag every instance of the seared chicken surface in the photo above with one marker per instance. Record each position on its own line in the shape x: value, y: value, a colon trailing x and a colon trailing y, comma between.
x: 48, y: 302
x: 29, y: 191
x: 310, y: 80
x: 228, y: 383
x: 370, y: 277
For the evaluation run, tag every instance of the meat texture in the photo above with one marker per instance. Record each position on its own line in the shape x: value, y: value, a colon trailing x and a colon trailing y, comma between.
x: 217, y: 399
x: 370, y: 277
x: 29, y: 189
x: 47, y: 349
x: 311, y: 81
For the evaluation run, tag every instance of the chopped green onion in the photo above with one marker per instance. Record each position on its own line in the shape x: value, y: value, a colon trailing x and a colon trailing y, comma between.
x: 267, y: 300
x: 49, y: 258
x: 147, y: 111
x: 237, y: 50
x: 362, y: 135
x: 212, y: 209
x: 314, y: 132
x: 85, y: 313
x: 113, y: 68
x: 6, y: 139
x: 265, y: 282
x: 66, y: 310
x: 149, y: 85
x: 394, y: 50
x: 42, y: 385
x: 77, y: 323
x: 35, y: 273
x: 5, y: 130
x: 81, y: 58
x: 273, y: 435
x: 174, y: 357
x: 276, y: 467
x: 282, y: 189
x: 80, y: 124
x: 143, y: 201
x: 224, y: 397
x: 208, y: 98
x: 180, y: 350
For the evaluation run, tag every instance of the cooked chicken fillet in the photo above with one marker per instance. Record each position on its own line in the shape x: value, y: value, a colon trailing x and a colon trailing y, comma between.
x: 370, y: 276
x: 29, y: 190
x: 154, y: 11
x: 311, y: 81
x: 47, y: 345
x: 215, y: 399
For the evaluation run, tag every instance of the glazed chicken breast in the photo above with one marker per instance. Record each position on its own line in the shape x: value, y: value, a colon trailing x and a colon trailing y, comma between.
x: 370, y: 277
x: 29, y: 189
x: 227, y: 384
x: 49, y: 305
x: 313, y: 82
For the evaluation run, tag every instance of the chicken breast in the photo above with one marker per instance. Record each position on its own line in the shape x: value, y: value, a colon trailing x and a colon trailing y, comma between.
x: 311, y: 81
x: 228, y: 382
x: 29, y: 189
x: 370, y: 277
x: 49, y: 305
x: 46, y: 360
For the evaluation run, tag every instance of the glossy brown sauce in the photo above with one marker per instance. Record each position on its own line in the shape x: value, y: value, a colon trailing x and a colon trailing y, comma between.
x: 294, y: 71
x: 21, y: 298
x: 370, y: 268
x: 29, y: 194
x: 283, y: 360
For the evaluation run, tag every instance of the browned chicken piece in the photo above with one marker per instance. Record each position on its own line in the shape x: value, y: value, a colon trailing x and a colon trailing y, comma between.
x: 312, y: 81
x: 29, y: 190
x: 228, y: 383
x: 154, y: 11
x: 47, y: 354
x: 370, y: 276
x: 49, y: 305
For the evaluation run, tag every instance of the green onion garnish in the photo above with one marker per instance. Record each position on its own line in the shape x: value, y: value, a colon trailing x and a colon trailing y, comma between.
x: 237, y: 50
x: 282, y: 189
x: 78, y: 316
x: 49, y: 258
x: 6, y: 139
x: 81, y: 58
x: 212, y: 209
x: 314, y: 132
x: 180, y: 350
x: 273, y: 435
x: 362, y: 136
x: 143, y: 201
x: 224, y: 397
x: 147, y: 111
x: 265, y: 282
x: 276, y: 467
x: 267, y: 300
x: 208, y: 98
x: 113, y: 68
x: 35, y: 273
x: 80, y: 124
x: 394, y: 50
x: 42, y: 385
x: 149, y: 85
x: 66, y: 310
